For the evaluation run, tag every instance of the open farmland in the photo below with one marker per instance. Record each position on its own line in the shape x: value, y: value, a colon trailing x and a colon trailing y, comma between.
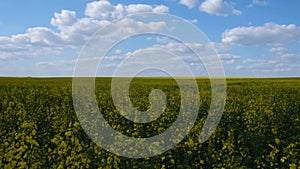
x: 260, y: 127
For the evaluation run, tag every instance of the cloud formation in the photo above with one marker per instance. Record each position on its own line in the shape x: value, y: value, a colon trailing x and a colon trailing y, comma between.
x: 65, y: 18
x: 72, y: 31
x: 69, y: 32
x: 105, y: 10
x: 278, y: 50
x: 189, y: 3
x: 260, y: 2
x: 219, y: 8
x: 267, y: 34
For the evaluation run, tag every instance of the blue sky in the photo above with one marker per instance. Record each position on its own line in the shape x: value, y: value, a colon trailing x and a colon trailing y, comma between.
x: 252, y: 37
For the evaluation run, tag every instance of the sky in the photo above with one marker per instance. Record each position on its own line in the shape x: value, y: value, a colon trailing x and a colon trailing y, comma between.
x: 251, y: 37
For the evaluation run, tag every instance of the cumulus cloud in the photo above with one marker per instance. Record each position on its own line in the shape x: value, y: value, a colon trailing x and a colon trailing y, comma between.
x: 161, y: 9
x: 129, y: 26
x: 219, y: 8
x: 72, y: 32
x: 80, y: 31
x: 189, y: 3
x: 39, y: 36
x: 35, y: 42
x: 43, y: 36
x: 105, y: 10
x: 138, y: 8
x: 100, y: 14
x: 268, y: 34
x: 65, y: 18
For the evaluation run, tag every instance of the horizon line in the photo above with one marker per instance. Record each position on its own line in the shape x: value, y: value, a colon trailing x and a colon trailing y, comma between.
x: 45, y: 77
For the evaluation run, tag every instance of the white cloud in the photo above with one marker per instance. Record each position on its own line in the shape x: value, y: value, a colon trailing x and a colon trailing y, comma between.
x: 56, y: 63
x: 278, y: 50
x: 205, y: 49
x: 100, y: 13
x: 65, y: 18
x: 268, y: 34
x: 221, y: 47
x: 228, y: 56
x: 280, y: 64
x: 105, y: 10
x: 39, y: 36
x: 164, y: 39
x: 80, y: 31
x: 129, y: 26
x: 260, y: 2
x: 218, y: 8
x: 161, y: 9
x: 72, y: 32
x: 285, y: 64
x: 257, y: 2
x: 118, y: 51
x: 43, y: 36
x: 193, y: 21
x: 184, y: 51
x: 54, y: 68
x: 35, y: 42
x: 138, y: 8
x: 189, y: 3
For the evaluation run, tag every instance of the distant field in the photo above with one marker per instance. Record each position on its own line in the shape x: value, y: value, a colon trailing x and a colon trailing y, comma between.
x: 260, y: 127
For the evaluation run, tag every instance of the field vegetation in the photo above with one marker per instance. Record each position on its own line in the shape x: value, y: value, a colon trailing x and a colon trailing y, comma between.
x: 260, y: 127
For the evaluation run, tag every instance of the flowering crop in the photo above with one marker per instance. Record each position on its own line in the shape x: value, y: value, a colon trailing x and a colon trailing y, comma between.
x: 259, y: 128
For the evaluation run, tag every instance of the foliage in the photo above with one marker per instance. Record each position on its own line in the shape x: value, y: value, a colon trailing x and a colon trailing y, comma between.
x: 259, y: 128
